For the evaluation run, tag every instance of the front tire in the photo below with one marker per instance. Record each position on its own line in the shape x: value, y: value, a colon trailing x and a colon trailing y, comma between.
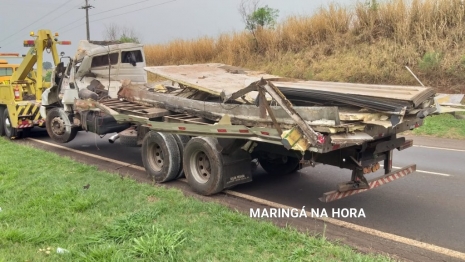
x: 59, y: 126
x: 203, y: 165
x: 160, y: 156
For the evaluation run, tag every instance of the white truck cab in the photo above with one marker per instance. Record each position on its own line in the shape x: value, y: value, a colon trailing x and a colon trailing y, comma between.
x: 109, y: 64
x: 97, y: 67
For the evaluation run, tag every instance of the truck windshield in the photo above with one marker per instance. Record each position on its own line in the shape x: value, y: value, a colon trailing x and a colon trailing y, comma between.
x: 6, y: 71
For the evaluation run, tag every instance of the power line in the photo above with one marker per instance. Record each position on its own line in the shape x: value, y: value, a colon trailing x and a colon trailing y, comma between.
x: 70, y: 23
x: 61, y: 14
x: 18, y: 31
x: 123, y: 14
x: 121, y: 7
x: 134, y: 10
x: 101, y: 13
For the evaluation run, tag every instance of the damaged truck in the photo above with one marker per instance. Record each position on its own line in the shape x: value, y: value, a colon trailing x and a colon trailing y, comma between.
x: 213, y: 123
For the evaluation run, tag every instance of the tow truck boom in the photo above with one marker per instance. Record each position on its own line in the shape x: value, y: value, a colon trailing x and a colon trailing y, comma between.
x: 20, y: 97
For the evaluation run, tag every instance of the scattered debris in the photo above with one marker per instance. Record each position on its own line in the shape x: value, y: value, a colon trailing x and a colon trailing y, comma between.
x: 62, y: 250
x: 45, y: 250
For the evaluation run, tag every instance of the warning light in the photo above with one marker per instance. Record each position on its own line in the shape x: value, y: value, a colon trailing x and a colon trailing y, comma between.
x: 64, y: 42
x: 56, y: 34
x: 28, y: 43
x: 31, y: 33
x: 9, y: 54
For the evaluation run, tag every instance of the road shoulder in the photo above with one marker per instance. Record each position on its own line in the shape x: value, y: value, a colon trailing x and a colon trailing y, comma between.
x: 430, y: 141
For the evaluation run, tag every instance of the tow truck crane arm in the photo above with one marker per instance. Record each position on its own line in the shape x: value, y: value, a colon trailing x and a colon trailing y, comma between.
x: 44, y: 41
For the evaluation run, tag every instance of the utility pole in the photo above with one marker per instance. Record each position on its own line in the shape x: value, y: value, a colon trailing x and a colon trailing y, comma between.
x: 87, y: 7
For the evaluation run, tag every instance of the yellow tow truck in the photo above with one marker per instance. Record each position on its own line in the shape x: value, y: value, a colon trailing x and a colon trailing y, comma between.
x: 20, y: 96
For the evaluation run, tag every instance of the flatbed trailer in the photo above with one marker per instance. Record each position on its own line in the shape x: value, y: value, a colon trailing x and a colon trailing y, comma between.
x: 214, y: 123
x: 215, y: 140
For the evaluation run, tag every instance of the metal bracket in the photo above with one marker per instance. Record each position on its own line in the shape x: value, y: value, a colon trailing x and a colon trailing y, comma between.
x: 270, y: 112
x: 373, y: 183
x: 273, y: 91
x: 358, y: 181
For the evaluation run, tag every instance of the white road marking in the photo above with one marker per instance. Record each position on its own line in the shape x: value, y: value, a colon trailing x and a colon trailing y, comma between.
x: 423, y: 171
x: 123, y: 164
x: 370, y: 231
x: 440, y: 148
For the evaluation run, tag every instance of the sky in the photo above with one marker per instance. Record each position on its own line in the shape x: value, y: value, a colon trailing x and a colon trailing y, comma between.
x: 154, y: 21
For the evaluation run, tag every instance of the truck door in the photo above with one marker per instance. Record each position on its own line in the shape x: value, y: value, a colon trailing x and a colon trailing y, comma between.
x: 105, y: 64
x: 132, y: 66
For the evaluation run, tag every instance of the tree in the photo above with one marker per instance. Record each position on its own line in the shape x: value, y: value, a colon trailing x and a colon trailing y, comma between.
x: 48, y: 76
x: 256, y: 17
x: 114, y: 32
x: 47, y: 65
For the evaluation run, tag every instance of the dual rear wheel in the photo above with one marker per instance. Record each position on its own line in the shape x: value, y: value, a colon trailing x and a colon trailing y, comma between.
x: 167, y: 157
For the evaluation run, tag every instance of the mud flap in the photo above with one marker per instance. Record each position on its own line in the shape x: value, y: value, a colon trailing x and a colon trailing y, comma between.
x: 238, y: 168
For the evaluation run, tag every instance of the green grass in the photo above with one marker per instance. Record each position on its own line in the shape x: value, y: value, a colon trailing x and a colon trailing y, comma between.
x: 44, y: 206
x: 445, y: 125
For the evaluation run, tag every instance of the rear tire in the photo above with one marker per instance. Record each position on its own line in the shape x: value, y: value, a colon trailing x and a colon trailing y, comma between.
x: 282, y: 165
x: 161, y: 157
x: 59, y: 126
x: 2, y: 124
x: 203, y: 165
x: 182, y: 141
x: 9, y: 131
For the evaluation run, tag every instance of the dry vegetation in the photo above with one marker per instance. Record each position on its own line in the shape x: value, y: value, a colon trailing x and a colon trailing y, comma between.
x: 370, y: 43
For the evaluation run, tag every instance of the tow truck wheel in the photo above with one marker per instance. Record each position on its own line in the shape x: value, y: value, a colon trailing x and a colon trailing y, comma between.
x: 8, y: 129
x: 281, y: 165
x: 160, y: 156
x: 203, y: 165
x: 59, y: 126
x: 2, y: 129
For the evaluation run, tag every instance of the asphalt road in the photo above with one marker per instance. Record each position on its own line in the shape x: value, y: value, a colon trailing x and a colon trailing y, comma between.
x: 425, y: 206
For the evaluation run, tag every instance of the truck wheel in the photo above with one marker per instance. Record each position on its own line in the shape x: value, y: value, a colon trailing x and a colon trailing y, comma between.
x: 161, y: 157
x: 182, y: 141
x: 282, y: 165
x: 59, y: 126
x: 8, y: 129
x: 203, y: 165
x: 2, y: 122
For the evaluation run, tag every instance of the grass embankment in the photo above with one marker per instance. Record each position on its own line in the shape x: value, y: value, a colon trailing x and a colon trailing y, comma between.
x: 442, y: 126
x: 43, y: 204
